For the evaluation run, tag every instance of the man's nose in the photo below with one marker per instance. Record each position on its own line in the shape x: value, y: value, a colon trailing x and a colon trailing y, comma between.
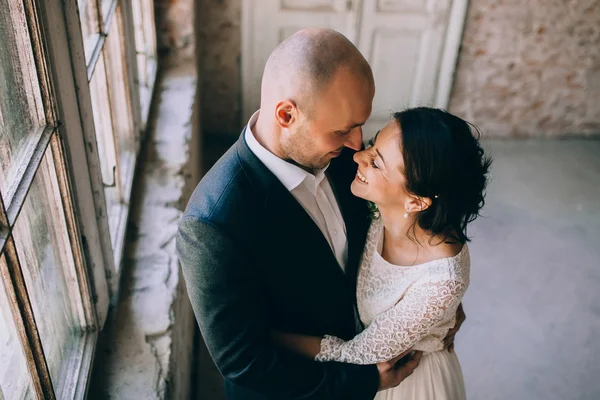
x: 355, y: 139
x: 358, y: 157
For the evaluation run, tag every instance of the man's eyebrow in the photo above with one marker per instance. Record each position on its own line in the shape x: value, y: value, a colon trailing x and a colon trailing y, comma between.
x: 354, y: 126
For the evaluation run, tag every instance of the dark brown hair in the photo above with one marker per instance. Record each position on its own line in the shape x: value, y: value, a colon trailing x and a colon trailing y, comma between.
x: 443, y: 161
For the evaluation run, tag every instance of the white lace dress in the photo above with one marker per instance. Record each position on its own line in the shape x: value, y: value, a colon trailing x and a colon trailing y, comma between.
x: 407, y: 308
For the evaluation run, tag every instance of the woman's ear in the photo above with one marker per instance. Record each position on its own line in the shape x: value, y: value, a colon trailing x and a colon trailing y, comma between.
x: 418, y: 204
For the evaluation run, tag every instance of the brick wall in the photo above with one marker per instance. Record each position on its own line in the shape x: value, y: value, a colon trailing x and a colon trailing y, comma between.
x: 530, y: 68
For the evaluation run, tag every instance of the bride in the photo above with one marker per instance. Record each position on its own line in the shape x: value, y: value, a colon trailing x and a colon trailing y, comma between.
x: 426, y: 173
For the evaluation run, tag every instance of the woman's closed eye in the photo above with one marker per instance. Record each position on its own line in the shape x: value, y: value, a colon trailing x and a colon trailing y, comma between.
x: 370, y: 147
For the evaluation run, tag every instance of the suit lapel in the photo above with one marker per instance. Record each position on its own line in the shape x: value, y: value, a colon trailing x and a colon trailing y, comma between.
x: 291, y: 223
x: 286, y: 217
x: 286, y: 221
x: 354, y: 211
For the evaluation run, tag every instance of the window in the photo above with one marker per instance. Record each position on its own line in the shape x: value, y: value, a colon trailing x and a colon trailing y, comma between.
x: 145, y: 46
x: 77, y: 79
x: 116, y: 99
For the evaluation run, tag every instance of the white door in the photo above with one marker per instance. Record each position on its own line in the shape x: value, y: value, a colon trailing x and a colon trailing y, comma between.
x: 404, y: 42
x: 266, y: 23
x: 411, y: 45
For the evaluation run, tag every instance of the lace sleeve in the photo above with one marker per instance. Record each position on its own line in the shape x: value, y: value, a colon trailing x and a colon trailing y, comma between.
x: 393, y: 332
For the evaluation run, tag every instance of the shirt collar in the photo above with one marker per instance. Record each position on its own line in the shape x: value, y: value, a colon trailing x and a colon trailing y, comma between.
x: 290, y: 175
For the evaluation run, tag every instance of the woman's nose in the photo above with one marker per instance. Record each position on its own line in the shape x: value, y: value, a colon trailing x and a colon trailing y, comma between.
x: 359, y: 157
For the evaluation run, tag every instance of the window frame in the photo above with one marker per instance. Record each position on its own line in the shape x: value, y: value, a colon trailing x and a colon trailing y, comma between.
x: 60, y: 22
x: 48, y: 143
x: 64, y: 74
x: 73, y: 70
x: 82, y: 75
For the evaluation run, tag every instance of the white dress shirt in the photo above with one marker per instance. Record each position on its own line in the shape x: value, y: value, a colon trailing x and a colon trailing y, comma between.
x: 312, y: 191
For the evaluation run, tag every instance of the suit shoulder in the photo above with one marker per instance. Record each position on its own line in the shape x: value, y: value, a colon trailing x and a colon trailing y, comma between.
x: 224, y: 192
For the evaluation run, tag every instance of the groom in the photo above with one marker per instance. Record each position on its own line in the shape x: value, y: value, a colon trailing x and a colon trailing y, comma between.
x: 272, y: 237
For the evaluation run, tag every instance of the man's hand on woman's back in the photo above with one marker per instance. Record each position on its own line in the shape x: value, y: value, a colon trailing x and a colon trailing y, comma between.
x: 391, y: 375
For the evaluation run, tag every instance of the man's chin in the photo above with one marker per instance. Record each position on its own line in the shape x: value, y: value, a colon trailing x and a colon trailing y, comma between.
x: 322, y: 163
x: 325, y: 161
x: 330, y: 157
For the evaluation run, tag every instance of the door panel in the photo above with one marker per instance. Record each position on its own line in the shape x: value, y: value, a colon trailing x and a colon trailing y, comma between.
x: 403, y: 41
x: 268, y: 22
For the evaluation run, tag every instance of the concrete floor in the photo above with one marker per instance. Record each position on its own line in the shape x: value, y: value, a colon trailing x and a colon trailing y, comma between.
x: 533, y: 307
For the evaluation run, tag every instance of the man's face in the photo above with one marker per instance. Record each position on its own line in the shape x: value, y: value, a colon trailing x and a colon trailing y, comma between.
x: 334, y: 122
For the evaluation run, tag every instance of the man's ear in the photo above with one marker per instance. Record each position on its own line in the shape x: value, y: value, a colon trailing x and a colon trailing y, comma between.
x: 418, y: 204
x: 286, y: 113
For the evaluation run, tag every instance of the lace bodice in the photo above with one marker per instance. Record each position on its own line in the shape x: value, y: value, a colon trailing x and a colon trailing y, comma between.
x: 401, y: 307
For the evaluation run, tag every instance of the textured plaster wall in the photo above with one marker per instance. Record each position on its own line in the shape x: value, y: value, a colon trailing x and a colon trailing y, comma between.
x: 530, y: 67
x: 526, y: 68
x: 175, y: 27
x: 147, y: 347
x: 219, y: 26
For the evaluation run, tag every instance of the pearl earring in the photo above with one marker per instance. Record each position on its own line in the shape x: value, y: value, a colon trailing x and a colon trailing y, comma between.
x: 406, y: 215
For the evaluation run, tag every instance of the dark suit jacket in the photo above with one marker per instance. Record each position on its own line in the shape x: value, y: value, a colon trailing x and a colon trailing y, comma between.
x: 254, y: 261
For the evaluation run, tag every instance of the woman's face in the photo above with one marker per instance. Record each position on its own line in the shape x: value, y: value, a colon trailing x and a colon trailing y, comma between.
x: 380, y: 177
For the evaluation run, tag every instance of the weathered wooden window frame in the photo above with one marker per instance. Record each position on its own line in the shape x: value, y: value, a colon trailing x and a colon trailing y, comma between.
x: 70, y: 138
x: 112, y: 250
x: 48, y: 143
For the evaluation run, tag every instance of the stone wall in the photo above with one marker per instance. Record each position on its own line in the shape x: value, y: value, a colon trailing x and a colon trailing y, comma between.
x: 175, y: 28
x: 530, y: 68
x: 526, y: 67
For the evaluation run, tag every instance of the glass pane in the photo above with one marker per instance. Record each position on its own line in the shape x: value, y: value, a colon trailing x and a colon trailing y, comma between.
x: 106, y: 6
x: 21, y: 108
x: 139, y: 42
x: 90, y: 27
x: 120, y: 102
x: 145, y: 40
x: 144, y: 86
x: 46, y: 257
x: 15, y: 382
x: 105, y: 139
x: 149, y: 30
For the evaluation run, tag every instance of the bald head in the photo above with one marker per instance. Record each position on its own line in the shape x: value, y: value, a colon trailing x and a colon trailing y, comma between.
x: 317, y: 92
x: 304, y: 64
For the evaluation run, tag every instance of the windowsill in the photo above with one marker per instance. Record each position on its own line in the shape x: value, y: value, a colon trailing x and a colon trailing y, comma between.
x: 146, y: 348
